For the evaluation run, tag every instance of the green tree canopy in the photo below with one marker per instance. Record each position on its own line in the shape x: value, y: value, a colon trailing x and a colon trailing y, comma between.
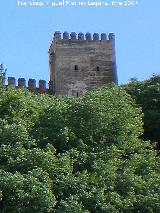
x: 60, y: 154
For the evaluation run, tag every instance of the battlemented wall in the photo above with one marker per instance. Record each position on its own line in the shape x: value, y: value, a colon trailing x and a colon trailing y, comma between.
x: 31, y: 85
x: 81, y: 63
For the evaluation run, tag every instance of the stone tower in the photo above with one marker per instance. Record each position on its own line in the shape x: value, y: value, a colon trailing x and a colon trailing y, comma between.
x: 78, y: 64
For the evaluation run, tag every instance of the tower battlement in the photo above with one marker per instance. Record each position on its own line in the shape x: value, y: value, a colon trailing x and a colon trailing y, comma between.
x: 83, y: 36
x: 73, y: 36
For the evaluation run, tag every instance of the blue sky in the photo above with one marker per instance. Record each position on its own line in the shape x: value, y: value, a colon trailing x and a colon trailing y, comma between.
x: 26, y: 33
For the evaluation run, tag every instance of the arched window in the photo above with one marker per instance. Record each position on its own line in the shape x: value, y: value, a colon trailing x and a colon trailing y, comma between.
x: 76, y: 67
x: 97, y: 68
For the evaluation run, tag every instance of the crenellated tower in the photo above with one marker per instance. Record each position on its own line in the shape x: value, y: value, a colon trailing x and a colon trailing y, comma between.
x: 79, y: 63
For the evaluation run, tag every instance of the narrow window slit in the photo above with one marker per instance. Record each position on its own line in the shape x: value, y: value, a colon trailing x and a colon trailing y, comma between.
x: 76, y: 67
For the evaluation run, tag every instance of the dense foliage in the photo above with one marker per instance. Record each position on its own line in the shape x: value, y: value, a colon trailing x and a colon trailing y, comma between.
x: 60, y: 154
x: 147, y: 95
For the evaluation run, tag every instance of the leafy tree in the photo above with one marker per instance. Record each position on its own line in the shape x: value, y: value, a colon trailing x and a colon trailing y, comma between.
x: 26, y: 193
x: 147, y: 95
x: 51, y: 126
x: 20, y: 105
